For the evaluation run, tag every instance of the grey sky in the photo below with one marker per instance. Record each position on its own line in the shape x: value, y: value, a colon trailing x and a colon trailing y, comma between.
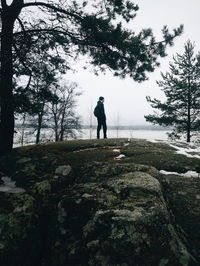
x: 125, y: 99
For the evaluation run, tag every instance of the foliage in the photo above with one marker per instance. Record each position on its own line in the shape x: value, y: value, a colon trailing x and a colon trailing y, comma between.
x: 35, y: 78
x: 32, y: 99
x: 73, y: 28
x: 181, y: 86
x: 94, y: 29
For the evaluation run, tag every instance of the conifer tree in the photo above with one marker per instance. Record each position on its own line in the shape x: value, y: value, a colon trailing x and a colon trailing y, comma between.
x: 181, y: 86
x: 93, y: 28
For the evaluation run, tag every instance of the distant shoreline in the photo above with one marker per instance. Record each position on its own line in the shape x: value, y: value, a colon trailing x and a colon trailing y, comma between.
x: 130, y: 127
x: 111, y: 127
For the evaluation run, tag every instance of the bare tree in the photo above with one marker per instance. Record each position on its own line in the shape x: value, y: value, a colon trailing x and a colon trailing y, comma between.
x: 91, y: 116
x: 74, y: 27
x: 65, y: 120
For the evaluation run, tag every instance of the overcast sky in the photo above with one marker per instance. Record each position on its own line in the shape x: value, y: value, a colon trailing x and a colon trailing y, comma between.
x: 125, y: 100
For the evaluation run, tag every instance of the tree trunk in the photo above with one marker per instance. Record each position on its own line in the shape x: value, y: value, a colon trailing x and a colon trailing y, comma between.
x: 8, y: 17
x: 6, y: 94
x: 54, y: 111
x: 23, y: 129
x: 39, y: 127
x: 56, y: 131
x: 62, y: 126
x: 189, y: 113
x: 188, y: 131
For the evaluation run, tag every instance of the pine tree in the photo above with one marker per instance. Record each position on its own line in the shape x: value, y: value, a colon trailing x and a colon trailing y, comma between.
x: 181, y: 86
x: 93, y: 28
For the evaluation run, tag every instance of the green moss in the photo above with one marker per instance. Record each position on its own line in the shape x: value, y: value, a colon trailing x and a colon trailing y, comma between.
x: 161, y: 156
x: 82, y: 207
x: 42, y: 188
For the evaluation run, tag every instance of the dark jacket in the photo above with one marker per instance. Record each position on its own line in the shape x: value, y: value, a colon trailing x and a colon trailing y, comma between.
x: 101, y: 111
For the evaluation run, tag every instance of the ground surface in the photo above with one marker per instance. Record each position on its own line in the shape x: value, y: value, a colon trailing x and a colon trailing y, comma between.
x: 105, y: 202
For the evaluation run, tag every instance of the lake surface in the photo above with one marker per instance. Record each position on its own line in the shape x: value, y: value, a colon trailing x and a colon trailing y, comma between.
x: 46, y: 135
x: 113, y: 133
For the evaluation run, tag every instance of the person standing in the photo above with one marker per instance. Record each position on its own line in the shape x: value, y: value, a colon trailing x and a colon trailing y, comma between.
x: 99, y: 112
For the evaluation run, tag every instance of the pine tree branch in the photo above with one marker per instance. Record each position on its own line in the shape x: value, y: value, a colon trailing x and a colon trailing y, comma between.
x: 44, y: 31
x: 3, y: 4
x: 52, y: 7
x: 76, y: 39
x: 23, y: 63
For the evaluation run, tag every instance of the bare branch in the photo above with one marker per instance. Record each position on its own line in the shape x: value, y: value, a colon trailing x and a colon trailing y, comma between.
x: 22, y: 25
x: 54, y: 8
x: 44, y: 31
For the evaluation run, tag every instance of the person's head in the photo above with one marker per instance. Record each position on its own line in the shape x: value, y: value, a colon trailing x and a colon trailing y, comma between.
x: 101, y: 98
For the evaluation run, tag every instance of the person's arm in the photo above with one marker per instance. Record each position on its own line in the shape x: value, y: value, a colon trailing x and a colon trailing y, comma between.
x: 102, y: 111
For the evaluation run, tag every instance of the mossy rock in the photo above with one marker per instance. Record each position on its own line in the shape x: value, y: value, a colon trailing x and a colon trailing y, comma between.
x: 81, y: 206
x: 122, y: 221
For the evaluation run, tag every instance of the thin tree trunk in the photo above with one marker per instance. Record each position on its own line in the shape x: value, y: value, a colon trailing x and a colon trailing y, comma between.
x: 55, y: 126
x: 8, y: 17
x: 62, y: 126
x: 188, y: 128
x: 39, y: 127
x: 91, y: 113
x: 23, y: 129
x: 189, y: 114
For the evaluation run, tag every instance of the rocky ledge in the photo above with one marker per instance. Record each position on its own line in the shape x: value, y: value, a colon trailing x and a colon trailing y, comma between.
x: 102, y: 202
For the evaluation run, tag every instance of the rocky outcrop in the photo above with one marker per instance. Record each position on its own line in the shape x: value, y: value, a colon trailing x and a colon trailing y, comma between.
x: 182, y: 196
x: 96, y: 212
x: 121, y: 221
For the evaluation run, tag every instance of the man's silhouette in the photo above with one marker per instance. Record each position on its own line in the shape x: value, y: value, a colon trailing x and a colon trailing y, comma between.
x: 101, y: 117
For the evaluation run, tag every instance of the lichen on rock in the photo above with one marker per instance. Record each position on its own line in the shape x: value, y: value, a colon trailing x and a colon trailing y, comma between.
x: 63, y: 170
x: 85, y: 208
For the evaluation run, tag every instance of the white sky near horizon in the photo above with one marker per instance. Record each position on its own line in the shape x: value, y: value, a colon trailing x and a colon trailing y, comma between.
x: 125, y: 100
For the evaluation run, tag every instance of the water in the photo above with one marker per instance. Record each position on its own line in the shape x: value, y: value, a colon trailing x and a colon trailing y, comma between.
x: 113, y: 133
x: 47, y: 135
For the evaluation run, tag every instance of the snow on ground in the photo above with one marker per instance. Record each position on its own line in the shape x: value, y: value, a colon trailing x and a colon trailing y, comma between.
x: 187, y: 174
x: 189, y: 151
x: 9, y: 186
x: 116, y: 150
x: 119, y: 157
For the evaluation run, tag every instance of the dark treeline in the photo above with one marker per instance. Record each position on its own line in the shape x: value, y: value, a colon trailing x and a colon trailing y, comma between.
x: 131, y: 127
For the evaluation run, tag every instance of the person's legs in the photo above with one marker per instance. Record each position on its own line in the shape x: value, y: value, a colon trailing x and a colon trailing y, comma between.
x: 98, y: 127
x: 104, y: 129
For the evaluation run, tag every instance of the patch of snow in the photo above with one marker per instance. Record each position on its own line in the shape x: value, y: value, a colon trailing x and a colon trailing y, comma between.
x: 126, y: 144
x: 187, y: 174
x: 120, y: 157
x: 9, y: 186
x: 86, y: 149
x: 168, y: 173
x: 187, y: 151
x: 7, y: 181
x: 157, y: 140
x: 116, y: 150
